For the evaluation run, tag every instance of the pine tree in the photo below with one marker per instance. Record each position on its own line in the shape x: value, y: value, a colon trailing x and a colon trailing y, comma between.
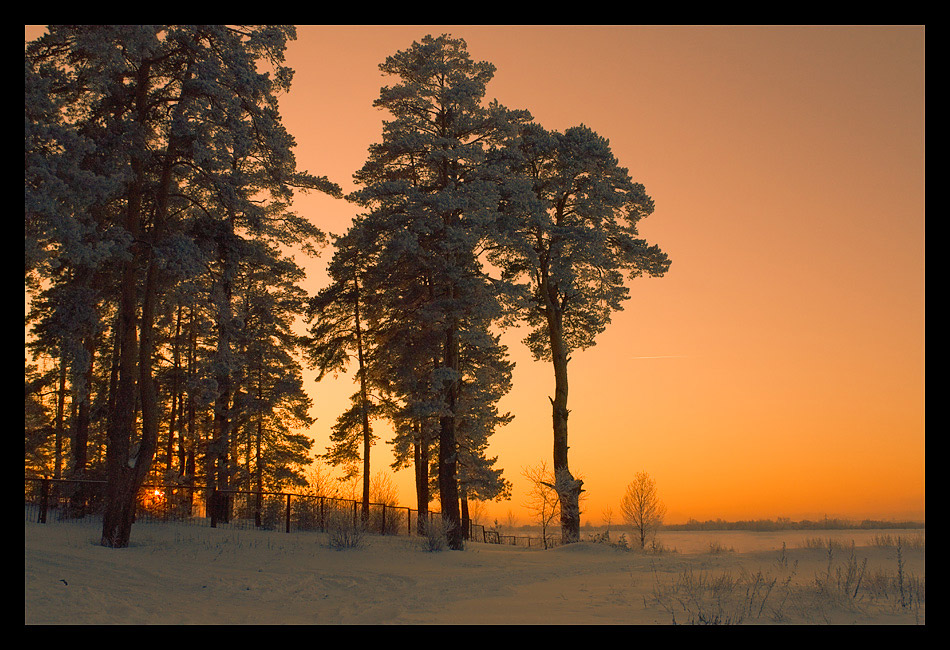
x: 68, y: 243
x: 338, y: 330
x: 431, y: 190
x: 486, y: 378
x: 270, y: 400
x: 573, y: 240
x: 36, y: 421
x: 184, y: 128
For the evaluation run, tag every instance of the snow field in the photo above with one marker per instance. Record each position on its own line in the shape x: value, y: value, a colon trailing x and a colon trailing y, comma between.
x: 178, y: 574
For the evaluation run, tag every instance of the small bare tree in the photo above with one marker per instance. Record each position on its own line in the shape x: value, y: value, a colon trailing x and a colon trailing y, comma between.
x: 383, y: 490
x: 607, y: 514
x: 476, y: 511
x: 542, y: 498
x: 510, y: 520
x: 641, y: 506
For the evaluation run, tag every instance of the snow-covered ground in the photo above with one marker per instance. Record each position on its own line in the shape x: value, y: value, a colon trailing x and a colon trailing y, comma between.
x: 176, y: 574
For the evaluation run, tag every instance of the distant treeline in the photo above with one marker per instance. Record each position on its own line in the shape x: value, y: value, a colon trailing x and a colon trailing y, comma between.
x: 783, y: 523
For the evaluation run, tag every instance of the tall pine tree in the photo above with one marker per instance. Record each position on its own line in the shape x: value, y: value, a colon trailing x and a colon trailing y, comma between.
x: 573, y: 241
x: 338, y: 331
x: 431, y: 188
x: 184, y: 127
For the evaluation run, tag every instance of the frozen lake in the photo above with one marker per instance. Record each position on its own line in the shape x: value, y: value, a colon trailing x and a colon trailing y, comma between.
x: 743, y: 541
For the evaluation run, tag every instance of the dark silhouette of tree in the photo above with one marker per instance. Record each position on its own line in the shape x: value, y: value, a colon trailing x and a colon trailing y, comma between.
x: 337, y: 331
x: 177, y: 135
x: 573, y: 241
x: 430, y: 188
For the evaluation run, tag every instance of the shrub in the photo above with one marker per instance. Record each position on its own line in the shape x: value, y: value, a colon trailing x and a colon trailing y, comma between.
x: 387, y: 519
x: 658, y: 548
x: 273, y: 512
x: 436, y: 537
x: 343, y: 532
x: 305, y: 513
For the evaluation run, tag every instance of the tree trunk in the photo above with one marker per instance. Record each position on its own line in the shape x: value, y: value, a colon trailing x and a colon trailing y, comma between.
x: 420, y: 453
x: 258, y: 460
x: 148, y: 393
x: 176, y: 396
x: 220, y: 447
x: 60, y: 418
x: 81, y: 437
x: 568, y: 488
x: 80, y: 442
x: 127, y: 471
x: 448, y: 454
x: 259, y: 471
x: 364, y: 406
x: 186, y: 449
x: 120, y: 498
x: 466, y: 519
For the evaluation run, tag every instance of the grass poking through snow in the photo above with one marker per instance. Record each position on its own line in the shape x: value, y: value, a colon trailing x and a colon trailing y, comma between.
x: 842, y: 590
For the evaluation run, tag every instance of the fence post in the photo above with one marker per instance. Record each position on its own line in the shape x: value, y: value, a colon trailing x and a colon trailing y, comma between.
x: 354, y: 515
x: 213, y: 506
x: 288, y: 513
x: 322, y: 527
x: 383, y: 526
x: 44, y: 501
x: 409, y: 521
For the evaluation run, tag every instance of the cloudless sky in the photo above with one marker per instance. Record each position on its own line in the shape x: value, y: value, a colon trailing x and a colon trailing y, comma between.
x: 778, y: 368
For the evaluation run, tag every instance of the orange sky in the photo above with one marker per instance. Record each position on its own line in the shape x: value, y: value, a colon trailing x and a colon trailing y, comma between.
x: 784, y: 369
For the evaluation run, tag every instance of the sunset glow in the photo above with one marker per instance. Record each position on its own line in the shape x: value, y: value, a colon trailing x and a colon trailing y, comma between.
x: 777, y: 369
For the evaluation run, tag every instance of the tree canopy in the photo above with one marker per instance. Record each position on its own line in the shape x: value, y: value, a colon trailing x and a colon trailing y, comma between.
x: 165, y: 298
x: 156, y: 161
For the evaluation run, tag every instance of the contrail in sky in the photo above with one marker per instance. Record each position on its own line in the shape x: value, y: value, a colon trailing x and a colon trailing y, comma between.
x: 663, y: 356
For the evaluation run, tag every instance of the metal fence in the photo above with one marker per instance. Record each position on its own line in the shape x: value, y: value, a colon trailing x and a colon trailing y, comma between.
x: 63, y: 500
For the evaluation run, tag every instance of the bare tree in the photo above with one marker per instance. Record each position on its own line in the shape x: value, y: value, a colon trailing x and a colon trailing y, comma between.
x: 383, y: 489
x: 641, y: 506
x: 607, y: 514
x: 477, y: 511
x: 542, y: 498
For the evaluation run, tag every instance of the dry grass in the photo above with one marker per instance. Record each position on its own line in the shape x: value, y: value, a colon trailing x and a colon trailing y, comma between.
x: 717, y: 548
x: 915, y: 541
x: 842, y: 589
x: 824, y: 544
x: 713, y: 598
